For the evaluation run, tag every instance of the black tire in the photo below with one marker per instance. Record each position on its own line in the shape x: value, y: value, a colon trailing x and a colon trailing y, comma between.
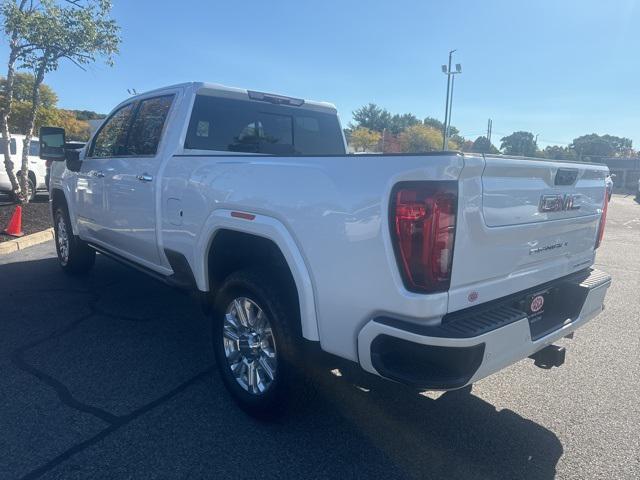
x: 289, y: 382
x: 78, y: 258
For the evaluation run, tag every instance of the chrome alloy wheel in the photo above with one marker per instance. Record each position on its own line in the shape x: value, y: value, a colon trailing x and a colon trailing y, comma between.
x: 249, y: 345
x: 63, y: 239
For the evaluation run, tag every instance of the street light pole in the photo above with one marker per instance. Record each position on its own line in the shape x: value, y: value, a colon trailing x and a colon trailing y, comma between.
x: 453, y: 81
x: 446, y: 69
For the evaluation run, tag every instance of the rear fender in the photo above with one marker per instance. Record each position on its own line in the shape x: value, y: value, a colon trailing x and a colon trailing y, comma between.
x: 271, y: 229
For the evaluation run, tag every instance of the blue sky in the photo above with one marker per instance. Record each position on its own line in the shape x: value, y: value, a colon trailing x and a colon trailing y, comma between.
x: 556, y: 68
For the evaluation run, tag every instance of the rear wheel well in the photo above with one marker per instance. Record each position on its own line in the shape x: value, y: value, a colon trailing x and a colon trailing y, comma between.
x: 231, y: 251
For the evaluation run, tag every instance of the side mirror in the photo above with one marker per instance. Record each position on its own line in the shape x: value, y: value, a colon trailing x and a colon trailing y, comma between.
x: 52, y: 141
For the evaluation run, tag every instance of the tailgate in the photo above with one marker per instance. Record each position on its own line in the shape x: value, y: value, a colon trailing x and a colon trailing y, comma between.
x: 515, y: 191
x: 522, y: 223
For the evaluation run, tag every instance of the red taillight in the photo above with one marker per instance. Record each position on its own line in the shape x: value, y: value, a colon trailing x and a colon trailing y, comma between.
x: 603, y: 219
x: 423, y: 227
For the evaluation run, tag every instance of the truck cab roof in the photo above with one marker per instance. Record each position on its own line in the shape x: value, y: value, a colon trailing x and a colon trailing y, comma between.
x: 218, y: 90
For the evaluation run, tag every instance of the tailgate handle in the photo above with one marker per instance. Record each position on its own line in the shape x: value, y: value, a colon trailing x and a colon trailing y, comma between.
x: 566, y: 176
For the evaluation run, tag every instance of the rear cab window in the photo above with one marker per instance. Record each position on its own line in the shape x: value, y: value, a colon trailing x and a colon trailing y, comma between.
x: 233, y: 125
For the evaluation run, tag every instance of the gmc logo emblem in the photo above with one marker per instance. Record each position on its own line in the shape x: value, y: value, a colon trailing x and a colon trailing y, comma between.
x: 558, y: 202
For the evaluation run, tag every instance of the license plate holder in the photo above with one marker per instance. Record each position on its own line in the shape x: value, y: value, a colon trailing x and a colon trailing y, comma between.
x: 535, y: 305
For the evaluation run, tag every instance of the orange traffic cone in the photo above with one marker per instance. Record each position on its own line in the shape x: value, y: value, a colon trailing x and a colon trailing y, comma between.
x: 15, y: 224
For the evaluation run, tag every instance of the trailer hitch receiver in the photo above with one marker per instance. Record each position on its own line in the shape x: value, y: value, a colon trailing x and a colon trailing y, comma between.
x: 548, y: 357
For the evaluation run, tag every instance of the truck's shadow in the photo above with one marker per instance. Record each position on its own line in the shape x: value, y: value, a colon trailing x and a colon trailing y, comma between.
x: 456, y: 435
x: 346, y: 429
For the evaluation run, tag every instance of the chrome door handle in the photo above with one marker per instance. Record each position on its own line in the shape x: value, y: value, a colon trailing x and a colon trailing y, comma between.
x: 97, y: 174
x: 145, y: 177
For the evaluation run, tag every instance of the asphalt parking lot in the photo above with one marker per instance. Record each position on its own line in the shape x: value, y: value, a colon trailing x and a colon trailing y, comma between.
x: 111, y: 376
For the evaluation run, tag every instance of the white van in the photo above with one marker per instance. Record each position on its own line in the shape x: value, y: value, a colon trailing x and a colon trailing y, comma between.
x: 37, y: 167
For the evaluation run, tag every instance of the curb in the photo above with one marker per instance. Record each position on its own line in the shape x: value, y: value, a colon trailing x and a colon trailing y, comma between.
x: 27, y: 241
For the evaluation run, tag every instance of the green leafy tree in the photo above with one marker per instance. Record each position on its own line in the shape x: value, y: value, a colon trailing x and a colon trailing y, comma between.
x: 87, y: 115
x: 557, y: 152
x: 17, y: 16
x: 79, y: 31
x: 597, y: 147
x: 399, y: 123
x: 23, y: 87
x: 454, y: 133
x: 75, y: 129
x: 420, y: 138
x: 483, y: 145
x: 519, y: 143
x: 363, y: 139
x: 21, y: 104
x: 373, y: 117
x: 73, y: 121
x: 467, y: 146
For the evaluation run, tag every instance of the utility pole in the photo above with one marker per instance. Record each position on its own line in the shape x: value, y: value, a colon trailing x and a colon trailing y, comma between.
x: 446, y: 69
x: 489, y: 128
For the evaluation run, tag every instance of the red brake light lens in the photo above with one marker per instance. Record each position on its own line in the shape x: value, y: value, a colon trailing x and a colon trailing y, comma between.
x: 603, y: 219
x: 423, y: 226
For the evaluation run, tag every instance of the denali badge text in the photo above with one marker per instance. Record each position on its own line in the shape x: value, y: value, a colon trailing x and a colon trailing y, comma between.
x: 553, y: 246
x: 558, y: 202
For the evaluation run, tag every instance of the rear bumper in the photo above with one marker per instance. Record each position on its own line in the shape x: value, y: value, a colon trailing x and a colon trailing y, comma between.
x: 474, y: 343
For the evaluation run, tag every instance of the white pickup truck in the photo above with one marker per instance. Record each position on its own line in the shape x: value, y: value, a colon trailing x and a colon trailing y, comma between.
x: 434, y: 270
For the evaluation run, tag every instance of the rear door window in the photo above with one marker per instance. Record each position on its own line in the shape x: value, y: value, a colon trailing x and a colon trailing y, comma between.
x: 223, y: 124
x: 148, y: 124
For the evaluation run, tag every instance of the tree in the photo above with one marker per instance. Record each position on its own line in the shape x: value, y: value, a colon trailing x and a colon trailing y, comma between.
x: 87, y: 115
x: 454, y: 133
x: 373, y: 117
x: 596, y: 147
x: 399, y: 123
x: 79, y: 31
x: 483, y: 145
x: 21, y: 105
x: 17, y: 22
x: 420, y: 138
x: 467, y: 146
x: 22, y: 88
x: 73, y: 121
x: 363, y: 139
x: 556, y: 152
x: 519, y: 143
x: 75, y: 129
